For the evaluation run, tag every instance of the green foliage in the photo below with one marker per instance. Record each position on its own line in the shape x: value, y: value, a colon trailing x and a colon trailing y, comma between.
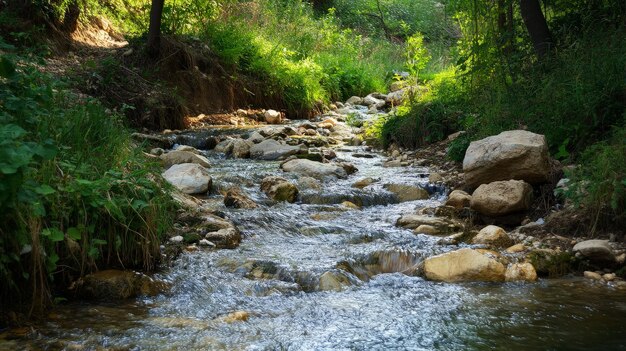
x: 416, y: 55
x: 302, y: 59
x: 72, y: 192
x: 599, y: 183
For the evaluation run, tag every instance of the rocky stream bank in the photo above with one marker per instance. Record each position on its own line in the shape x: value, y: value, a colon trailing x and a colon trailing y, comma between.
x: 298, y: 235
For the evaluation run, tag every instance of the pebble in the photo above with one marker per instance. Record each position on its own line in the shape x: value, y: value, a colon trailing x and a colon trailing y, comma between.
x: 177, y: 239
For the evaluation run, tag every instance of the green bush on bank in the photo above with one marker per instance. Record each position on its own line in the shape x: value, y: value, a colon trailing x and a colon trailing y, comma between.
x: 74, y: 193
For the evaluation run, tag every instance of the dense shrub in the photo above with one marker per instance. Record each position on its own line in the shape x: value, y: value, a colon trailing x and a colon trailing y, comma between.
x: 74, y: 193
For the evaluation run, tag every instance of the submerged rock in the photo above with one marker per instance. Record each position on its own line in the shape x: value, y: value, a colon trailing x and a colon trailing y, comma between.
x: 234, y: 197
x: 405, y: 192
x: 113, y: 284
x: 314, y: 169
x: 271, y: 149
x: 335, y: 280
x: 464, y: 265
x: 190, y: 178
x: 279, y: 189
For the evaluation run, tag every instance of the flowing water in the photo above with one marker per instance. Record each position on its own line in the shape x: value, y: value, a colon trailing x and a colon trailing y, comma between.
x: 274, y: 275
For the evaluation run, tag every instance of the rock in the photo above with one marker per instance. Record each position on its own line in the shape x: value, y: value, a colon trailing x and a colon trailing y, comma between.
x: 397, y: 85
x: 354, y: 100
x: 177, y: 239
x: 226, y: 238
x: 597, y: 251
x: 241, y: 148
x: 157, y: 151
x: 392, y: 163
x: 256, y: 137
x: 348, y: 167
x: 520, y: 272
x: 113, y: 284
x: 514, y: 154
x: 349, y: 204
x: 335, y: 280
x: 493, y: 236
x: 314, y: 169
x: 238, y: 316
x: 435, y: 178
x: 225, y: 146
x: 190, y: 178
x: 362, y: 183
x: 372, y: 101
x: 309, y: 183
x: 279, y: 189
x: 404, y: 192
x: 270, y: 150
x: 609, y: 277
x: 426, y: 229
x: 205, y: 242
x: 458, y: 199
x: 234, y: 197
x: 414, y: 221
x: 464, y: 265
x: 516, y: 248
x: 592, y: 275
x: 177, y: 157
x: 455, y: 135
x: 273, y: 117
x: 502, y: 198
x: 188, y: 148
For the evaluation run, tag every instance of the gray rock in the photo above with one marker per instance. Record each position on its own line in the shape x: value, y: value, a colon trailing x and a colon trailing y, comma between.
x: 177, y: 157
x: 514, y: 154
x: 502, y: 198
x: 405, y: 192
x: 596, y: 250
x: 273, y: 150
x: 190, y: 178
x: 314, y: 169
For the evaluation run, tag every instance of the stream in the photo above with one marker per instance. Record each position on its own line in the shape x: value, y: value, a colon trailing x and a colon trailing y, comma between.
x: 273, y: 276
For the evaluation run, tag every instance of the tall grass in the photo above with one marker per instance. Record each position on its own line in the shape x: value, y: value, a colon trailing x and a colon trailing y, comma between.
x: 74, y: 193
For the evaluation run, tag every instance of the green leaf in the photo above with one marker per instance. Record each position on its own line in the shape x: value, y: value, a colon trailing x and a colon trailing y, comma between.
x: 98, y: 242
x: 53, y: 234
x: 74, y: 233
x: 44, y: 190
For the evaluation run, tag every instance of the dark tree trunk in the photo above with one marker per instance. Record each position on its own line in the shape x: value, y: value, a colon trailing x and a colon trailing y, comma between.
x: 154, y: 30
x: 537, y: 27
x: 70, y: 20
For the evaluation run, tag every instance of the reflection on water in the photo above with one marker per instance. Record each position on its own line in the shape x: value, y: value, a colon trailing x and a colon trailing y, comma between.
x: 274, y: 275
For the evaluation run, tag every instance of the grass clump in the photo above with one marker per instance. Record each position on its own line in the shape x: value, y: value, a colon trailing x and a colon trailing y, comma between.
x: 74, y: 193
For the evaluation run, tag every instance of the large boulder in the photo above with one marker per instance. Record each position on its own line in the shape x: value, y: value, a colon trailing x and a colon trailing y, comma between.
x: 502, y: 198
x: 271, y: 149
x: 597, y: 251
x: 464, y: 265
x: 279, y: 189
x: 221, y: 232
x: 314, y: 169
x: 370, y: 100
x: 514, y: 154
x: 177, y: 157
x: 493, y: 236
x: 190, y: 178
x: 405, y: 192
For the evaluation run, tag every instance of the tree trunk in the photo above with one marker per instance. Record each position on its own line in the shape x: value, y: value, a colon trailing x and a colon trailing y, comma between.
x: 537, y: 27
x: 154, y: 30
